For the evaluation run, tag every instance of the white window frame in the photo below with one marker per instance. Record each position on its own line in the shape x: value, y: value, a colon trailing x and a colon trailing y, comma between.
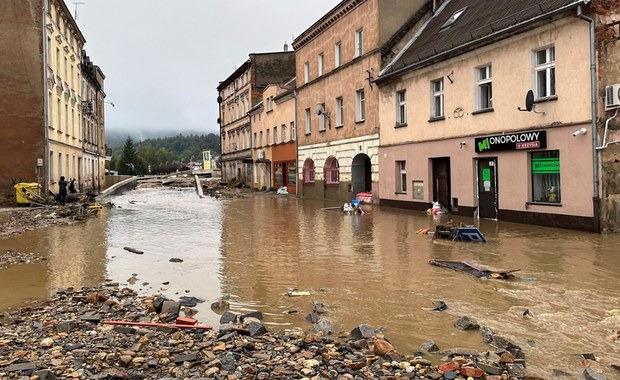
x: 360, y: 106
x: 306, y: 72
x: 275, y: 135
x: 337, y: 54
x: 308, y: 121
x: 339, y: 112
x: 322, y: 117
x: 484, y: 87
x: 268, y: 136
x: 437, y: 99
x: 401, y: 107
x: 283, y: 133
x: 320, y: 64
x: 544, y: 73
x: 401, y: 167
x: 359, y: 42
x: 293, y: 131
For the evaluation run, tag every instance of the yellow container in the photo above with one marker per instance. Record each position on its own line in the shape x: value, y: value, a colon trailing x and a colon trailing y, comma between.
x: 24, y: 192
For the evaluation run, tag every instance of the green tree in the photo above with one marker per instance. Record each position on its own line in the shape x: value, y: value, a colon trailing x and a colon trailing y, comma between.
x: 128, y: 162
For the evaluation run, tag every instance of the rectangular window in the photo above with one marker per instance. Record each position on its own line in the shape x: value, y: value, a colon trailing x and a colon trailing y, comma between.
x: 321, y: 62
x: 437, y: 98
x: 401, y: 107
x: 292, y: 173
x: 268, y: 137
x: 545, y: 169
x: 401, y: 176
x: 544, y: 68
x: 308, y: 121
x: 60, y: 165
x: 337, y: 54
x: 321, y: 117
x: 255, y: 139
x: 359, y: 42
x: 306, y: 72
x: 59, y: 126
x: 57, y: 61
x: 339, y: 112
x: 48, y: 52
x: 293, y: 131
x: 360, y: 106
x: 283, y: 131
x: 260, y: 141
x: 484, y: 88
x: 275, y: 135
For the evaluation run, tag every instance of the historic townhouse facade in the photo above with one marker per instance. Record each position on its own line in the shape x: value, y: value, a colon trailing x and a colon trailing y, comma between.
x: 337, y: 112
x: 237, y: 95
x: 274, y: 139
x: 93, y: 128
x: 40, y: 95
x: 497, y: 108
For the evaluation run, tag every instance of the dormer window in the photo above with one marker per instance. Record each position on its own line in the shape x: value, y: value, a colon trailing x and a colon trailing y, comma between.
x: 455, y: 16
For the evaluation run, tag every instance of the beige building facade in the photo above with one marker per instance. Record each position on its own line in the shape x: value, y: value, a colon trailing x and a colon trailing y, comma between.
x: 337, y: 112
x: 64, y: 43
x: 92, y: 177
x: 274, y: 138
x: 41, y: 96
x: 500, y: 125
x: 237, y: 95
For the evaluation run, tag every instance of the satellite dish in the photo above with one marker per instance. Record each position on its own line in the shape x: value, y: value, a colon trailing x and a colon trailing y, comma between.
x: 529, y: 102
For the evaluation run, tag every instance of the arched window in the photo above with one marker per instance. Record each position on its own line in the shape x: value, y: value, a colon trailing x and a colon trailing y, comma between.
x: 309, y: 171
x: 332, y: 171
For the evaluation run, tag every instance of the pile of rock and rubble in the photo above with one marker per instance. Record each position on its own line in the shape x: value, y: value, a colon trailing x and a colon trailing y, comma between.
x: 15, y: 257
x: 210, y: 186
x: 28, y: 219
x: 113, y: 333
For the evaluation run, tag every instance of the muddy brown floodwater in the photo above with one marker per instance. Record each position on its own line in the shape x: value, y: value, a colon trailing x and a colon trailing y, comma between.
x: 370, y: 268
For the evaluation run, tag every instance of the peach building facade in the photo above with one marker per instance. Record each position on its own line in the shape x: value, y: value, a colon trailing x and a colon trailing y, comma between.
x: 503, y: 128
x: 337, y: 111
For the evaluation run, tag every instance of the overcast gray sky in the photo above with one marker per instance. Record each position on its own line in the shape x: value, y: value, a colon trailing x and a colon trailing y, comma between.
x: 163, y: 59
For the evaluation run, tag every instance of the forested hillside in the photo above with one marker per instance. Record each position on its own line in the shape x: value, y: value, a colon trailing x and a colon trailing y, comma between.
x: 162, y: 154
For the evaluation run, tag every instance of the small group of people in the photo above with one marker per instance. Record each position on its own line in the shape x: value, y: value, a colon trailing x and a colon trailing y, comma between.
x: 63, y: 185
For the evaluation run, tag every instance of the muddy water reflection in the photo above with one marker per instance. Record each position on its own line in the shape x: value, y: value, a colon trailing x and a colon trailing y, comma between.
x: 374, y: 268
x: 371, y: 268
x: 75, y: 256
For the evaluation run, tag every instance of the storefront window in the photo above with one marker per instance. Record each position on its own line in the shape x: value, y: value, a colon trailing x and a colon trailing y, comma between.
x: 278, y: 175
x: 546, y: 176
x: 292, y: 174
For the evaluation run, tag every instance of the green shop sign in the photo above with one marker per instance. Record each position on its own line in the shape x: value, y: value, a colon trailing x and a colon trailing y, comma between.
x: 546, y: 165
x: 512, y: 141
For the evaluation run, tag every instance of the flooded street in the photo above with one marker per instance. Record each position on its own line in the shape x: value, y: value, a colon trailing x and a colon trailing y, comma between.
x: 370, y: 268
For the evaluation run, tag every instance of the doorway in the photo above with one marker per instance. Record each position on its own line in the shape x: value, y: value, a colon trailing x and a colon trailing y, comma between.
x: 361, y: 174
x: 487, y: 188
x: 441, y: 181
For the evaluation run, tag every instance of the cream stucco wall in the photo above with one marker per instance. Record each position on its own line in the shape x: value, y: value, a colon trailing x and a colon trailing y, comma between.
x: 64, y: 46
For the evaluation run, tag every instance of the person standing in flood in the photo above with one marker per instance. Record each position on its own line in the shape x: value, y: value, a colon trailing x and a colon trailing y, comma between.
x: 62, y: 190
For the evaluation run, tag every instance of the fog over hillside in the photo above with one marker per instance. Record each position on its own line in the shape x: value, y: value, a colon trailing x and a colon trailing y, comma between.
x: 116, y: 138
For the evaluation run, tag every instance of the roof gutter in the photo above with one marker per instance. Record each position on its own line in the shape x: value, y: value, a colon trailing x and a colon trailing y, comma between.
x: 488, y: 37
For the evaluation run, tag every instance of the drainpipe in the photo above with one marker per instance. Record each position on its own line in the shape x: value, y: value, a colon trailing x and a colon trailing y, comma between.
x: 46, y: 159
x: 595, y: 153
